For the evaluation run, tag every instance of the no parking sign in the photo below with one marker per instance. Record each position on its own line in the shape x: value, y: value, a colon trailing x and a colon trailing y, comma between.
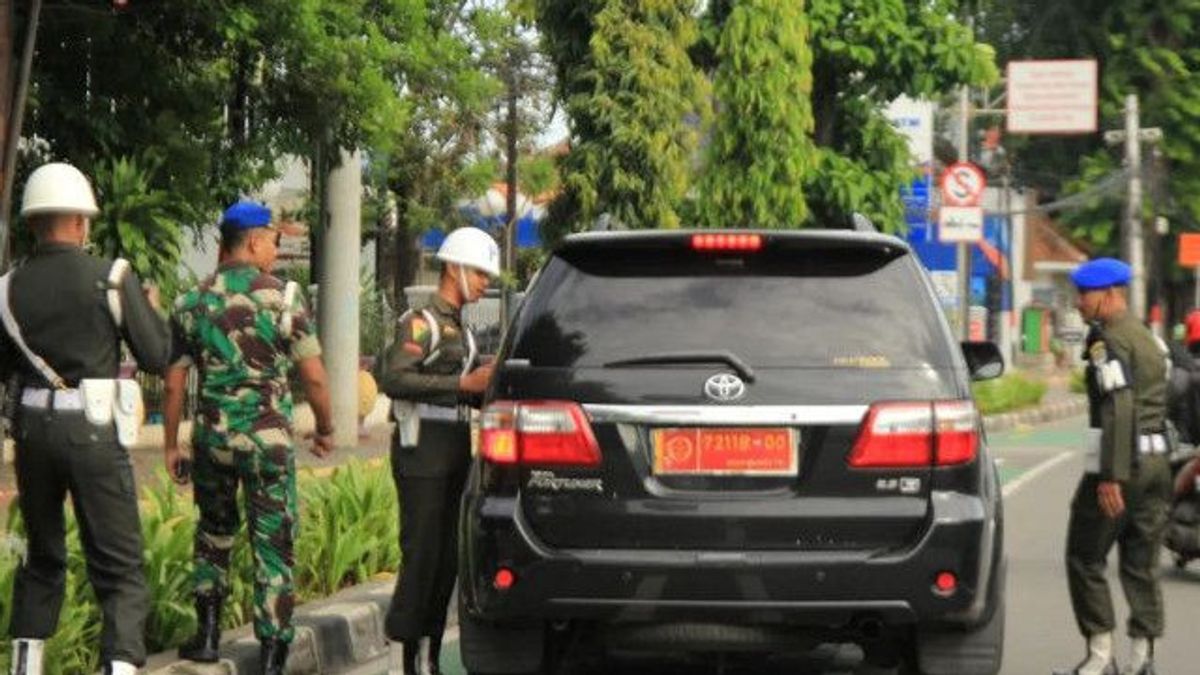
x: 962, y: 184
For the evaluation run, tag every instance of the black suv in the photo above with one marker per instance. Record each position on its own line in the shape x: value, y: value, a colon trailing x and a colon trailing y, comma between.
x: 723, y: 442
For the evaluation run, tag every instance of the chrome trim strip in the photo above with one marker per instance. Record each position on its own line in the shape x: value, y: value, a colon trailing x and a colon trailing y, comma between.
x: 726, y: 414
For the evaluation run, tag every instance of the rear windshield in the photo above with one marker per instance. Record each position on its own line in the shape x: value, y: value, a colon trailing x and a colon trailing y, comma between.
x: 827, y: 308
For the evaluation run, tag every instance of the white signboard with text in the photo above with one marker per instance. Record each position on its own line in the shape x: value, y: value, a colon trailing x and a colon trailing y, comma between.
x: 960, y: 224
x: 914, y: 120
x: 1053, y: 97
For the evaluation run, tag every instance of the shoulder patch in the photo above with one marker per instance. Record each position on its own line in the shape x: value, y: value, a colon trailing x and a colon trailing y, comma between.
x: 420, y: 329
x: 1098, y: 353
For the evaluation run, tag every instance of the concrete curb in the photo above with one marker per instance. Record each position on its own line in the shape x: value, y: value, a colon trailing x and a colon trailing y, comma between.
x: 1048, y: 412
x: 332, y: 635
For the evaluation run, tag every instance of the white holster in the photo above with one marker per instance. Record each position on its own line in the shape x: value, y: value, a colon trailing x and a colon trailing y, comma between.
x: 1091, y: 450
x: 408, y: 422
x: 115, y: 401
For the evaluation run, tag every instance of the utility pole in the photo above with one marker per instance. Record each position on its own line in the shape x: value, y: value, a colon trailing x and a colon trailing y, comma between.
x: 963, y: 255
x: 15, y: 106
x: 1132, y: 242
x: 338, y: 306
x: 511, y: 133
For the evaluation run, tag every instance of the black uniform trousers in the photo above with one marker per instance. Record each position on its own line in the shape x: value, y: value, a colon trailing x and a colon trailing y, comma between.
x: 60, y: 452
x: 429, y: 479
x: 1138, y: 534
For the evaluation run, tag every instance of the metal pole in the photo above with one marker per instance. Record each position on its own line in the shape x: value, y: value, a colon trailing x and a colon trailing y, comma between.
x: 12, y: 134
x: 1196, y: 291
x: 1132, y: 241
x: 963, y: 255
x: 338, y: 308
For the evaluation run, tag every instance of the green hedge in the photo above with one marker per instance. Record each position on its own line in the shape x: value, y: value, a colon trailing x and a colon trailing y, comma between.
x: 348, y: 533
x: 1011, y: 392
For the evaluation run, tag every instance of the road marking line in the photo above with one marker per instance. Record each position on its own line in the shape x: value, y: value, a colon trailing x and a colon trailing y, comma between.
x: 1027, y: 477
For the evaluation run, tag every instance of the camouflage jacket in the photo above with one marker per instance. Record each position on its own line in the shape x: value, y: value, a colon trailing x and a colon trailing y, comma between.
x: 232, y: 328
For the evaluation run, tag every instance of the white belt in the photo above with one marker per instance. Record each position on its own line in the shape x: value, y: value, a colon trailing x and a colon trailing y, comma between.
x: 1153, y: 444
x: 437, y: 412
x: 58, y: 399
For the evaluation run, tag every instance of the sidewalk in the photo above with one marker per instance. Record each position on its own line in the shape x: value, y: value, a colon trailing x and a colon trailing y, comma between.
x: 336, y: 634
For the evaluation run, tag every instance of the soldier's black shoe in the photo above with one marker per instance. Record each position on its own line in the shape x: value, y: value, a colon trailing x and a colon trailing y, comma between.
x: 274, y: 657
x: 205, y: 645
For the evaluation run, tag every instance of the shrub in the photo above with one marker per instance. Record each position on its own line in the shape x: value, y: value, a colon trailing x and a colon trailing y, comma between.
x: 349, y: 522
x: 1011, y: 392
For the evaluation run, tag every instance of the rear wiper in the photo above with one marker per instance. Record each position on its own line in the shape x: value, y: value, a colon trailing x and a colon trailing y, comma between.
x: 733, y: 360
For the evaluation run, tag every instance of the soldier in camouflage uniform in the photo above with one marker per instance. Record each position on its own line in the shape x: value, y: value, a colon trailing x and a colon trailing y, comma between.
x: 244, y: 330
x: 432, y: 373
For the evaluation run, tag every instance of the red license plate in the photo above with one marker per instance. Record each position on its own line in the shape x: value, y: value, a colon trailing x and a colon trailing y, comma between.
x: 725, y: 451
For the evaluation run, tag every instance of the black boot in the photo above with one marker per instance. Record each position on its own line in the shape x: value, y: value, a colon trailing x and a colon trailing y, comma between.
x: 205, y: 645
x: 274, y: 657
x: 412, y: 657
x: 435, y: 656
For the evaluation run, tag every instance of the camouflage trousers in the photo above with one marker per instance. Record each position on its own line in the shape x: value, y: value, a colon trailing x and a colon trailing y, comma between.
x: 267, y: 474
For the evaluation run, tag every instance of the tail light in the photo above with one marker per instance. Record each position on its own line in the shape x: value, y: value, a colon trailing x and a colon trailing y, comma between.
x: 727, y: 242
x: 904, y: 434
x: 538, y: 432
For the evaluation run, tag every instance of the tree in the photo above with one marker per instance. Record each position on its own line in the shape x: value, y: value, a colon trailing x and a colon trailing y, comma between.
x: 214, y: 92
x: 635, y: 104
x: 1142, y: 47
x: 868, y: 53
x: 439, y: 158
x: 761, y: 151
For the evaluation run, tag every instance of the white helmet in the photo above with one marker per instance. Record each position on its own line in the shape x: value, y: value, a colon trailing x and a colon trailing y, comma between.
x: 472, y: 247
x: 58, y: 188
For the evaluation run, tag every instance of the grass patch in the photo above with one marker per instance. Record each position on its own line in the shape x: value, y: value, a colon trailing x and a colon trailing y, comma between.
x: 1008, y: 393
x: 348, y: 532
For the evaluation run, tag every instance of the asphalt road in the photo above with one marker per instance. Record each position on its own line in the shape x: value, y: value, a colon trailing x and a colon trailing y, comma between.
x: 1039, y: 467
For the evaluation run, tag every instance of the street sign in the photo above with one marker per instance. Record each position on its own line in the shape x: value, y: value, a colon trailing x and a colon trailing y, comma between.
x: 963, y: 184
x: 914, y: 120
x: 960, y: 224
x: 1189, y: 250
x: 1053, y: 97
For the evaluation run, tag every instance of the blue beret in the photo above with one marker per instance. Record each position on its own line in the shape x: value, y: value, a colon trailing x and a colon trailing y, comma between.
x: 1101, y: 273
x: 246, y: 215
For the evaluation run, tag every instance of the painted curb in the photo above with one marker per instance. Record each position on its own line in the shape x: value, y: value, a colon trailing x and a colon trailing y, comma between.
x: 1049, y: 412
x: 332, y: 635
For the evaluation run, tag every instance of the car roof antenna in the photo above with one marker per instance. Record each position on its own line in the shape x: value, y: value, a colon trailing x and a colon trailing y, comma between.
x: 607, y: 222
x: 862, y: 223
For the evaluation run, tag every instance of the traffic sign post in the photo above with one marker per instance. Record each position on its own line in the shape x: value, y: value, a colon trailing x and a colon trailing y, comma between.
x: 963, y: 184
x: 960, y: 224
x: 961, y: 220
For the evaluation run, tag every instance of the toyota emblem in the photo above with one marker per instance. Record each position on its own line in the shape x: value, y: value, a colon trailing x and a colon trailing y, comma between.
x: 724, y: 387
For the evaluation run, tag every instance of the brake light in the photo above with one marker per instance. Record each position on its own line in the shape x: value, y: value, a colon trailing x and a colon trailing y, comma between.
x: 727, y: 242
x: 907, y: 434
x: 538, y: 432
x: 957, y: 437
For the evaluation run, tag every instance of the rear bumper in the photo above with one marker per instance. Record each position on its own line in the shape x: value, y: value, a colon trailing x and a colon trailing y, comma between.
x: 831, y: 590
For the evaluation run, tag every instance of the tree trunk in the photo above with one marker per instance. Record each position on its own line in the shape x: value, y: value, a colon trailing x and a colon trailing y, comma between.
x: 824, y: 102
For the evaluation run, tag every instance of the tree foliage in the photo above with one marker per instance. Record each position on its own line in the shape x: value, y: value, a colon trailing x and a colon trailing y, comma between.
x: 866, y: 54
x: 634, y: 101
x: 211, y: 93
x: 761, y: 151
x: 1143, y: 47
